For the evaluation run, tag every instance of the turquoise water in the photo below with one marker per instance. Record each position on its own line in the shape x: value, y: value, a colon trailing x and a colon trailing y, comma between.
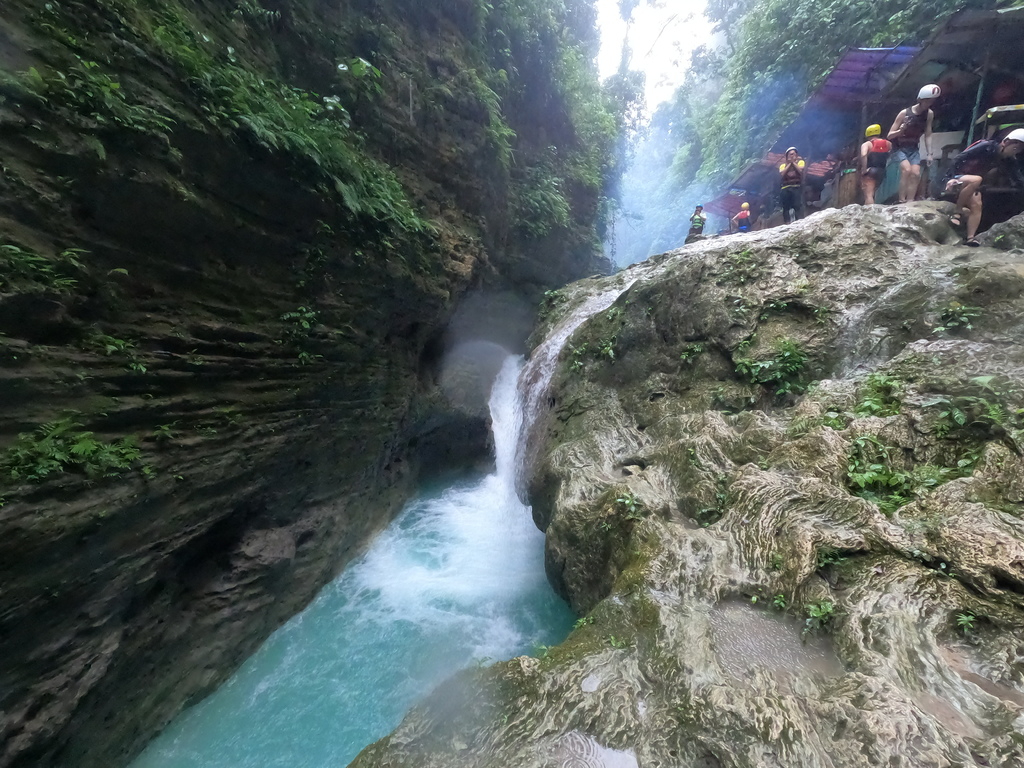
x: 456, y: 579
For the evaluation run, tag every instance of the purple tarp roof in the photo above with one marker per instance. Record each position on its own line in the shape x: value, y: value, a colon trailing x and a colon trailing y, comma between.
x: 864, y: 73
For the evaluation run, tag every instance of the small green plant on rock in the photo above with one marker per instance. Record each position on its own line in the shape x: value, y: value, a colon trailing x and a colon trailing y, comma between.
x: 578, y: 355
x: 708, y: 516
x: 631, y: 505
x: 829, y: 556
x: 64, y: 446
x: 819, y: 615
x: 94, y: 95
x: 583, y: 621
x: 617, y: 642
x: 779, y: 603
x: 742, y: 268
x: 784, y: 371
x: 965, y: 622
x: 957, y: 317
x: 966, y: 411
x: 256, y: 12
x: 538, y: 194
x: 834, y: 420
x: 879, y: 396
x: 871, y: 473
x: 111, y: 346
x: 21, y: 267
x: 773, y: 306
x: 691, y: 352
x: 607, y: 348
x: 165, y: 432
x: 299, y: 323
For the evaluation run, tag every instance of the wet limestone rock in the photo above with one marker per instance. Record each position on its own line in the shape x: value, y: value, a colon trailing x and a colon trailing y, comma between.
x: 782, y: 482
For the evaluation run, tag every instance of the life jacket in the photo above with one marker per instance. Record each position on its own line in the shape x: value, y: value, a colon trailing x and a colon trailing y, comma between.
x: 792, y: 177
x: 697, y: 221
x: 914, y: 127
x: 878, y: 153
x: 981, y: 163
x: 743, y: 224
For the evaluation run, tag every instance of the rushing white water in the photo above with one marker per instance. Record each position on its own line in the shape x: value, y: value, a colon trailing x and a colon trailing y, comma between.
x: 458, y: 577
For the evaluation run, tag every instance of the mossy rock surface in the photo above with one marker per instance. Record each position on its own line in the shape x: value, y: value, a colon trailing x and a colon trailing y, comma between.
x: 819, y: 568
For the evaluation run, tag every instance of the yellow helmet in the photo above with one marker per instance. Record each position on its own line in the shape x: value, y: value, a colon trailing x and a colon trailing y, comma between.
x: 873, y: 130
x: 745, y: 206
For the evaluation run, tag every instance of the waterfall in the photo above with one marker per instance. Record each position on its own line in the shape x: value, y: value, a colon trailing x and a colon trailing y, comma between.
x: 457, y: 578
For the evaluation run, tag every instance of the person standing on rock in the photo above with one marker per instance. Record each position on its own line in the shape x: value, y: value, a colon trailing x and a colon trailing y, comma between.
x: 874, y: 156
x: 791, y: 173
x: 969, y: 171
x: 911, y: 126
x: 697, y: 222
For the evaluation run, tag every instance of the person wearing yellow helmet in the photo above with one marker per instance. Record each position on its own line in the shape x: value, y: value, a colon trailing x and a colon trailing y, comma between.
x: 912, y: 128
x: 874, y: 156
x: 742, y: 219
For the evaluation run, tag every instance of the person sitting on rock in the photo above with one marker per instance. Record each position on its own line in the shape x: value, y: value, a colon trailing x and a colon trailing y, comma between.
x: 791, y: 173
x: 742, y: 219
x: 874, y: 156
x: 910, y: 126
x: 969, y: 171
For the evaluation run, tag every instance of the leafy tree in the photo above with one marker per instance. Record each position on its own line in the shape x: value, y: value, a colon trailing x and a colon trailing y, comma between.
x: 727, y: 15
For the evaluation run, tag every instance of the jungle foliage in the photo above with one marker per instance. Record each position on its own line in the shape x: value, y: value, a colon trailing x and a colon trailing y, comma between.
x: 517, y: 63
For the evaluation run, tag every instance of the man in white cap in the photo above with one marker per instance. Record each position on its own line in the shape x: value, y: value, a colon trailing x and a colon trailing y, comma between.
x: 911, y: 126
x: 969, y: 170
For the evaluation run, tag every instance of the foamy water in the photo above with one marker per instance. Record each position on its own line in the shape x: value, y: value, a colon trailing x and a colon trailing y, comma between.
x: 457, y: 578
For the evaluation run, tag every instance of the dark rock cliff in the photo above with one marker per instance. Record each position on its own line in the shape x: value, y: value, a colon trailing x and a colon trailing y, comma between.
x: 231, y: 237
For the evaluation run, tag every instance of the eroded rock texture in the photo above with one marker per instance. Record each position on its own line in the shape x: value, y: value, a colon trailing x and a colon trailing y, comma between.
x: 782, y: 483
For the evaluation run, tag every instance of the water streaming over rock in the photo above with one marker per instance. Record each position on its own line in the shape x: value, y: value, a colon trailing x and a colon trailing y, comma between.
x: 535, y: 379
x: 457, y: 578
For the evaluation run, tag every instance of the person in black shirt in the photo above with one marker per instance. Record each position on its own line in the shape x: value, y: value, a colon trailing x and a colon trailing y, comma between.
x: 969, y: 170
x: 911, y: 128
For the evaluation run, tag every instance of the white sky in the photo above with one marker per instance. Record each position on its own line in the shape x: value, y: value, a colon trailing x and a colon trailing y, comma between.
x: 662, y: 35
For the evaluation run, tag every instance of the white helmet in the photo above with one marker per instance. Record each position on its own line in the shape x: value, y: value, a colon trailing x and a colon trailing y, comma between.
x: 929, y: 92
x: 1017, y: 134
